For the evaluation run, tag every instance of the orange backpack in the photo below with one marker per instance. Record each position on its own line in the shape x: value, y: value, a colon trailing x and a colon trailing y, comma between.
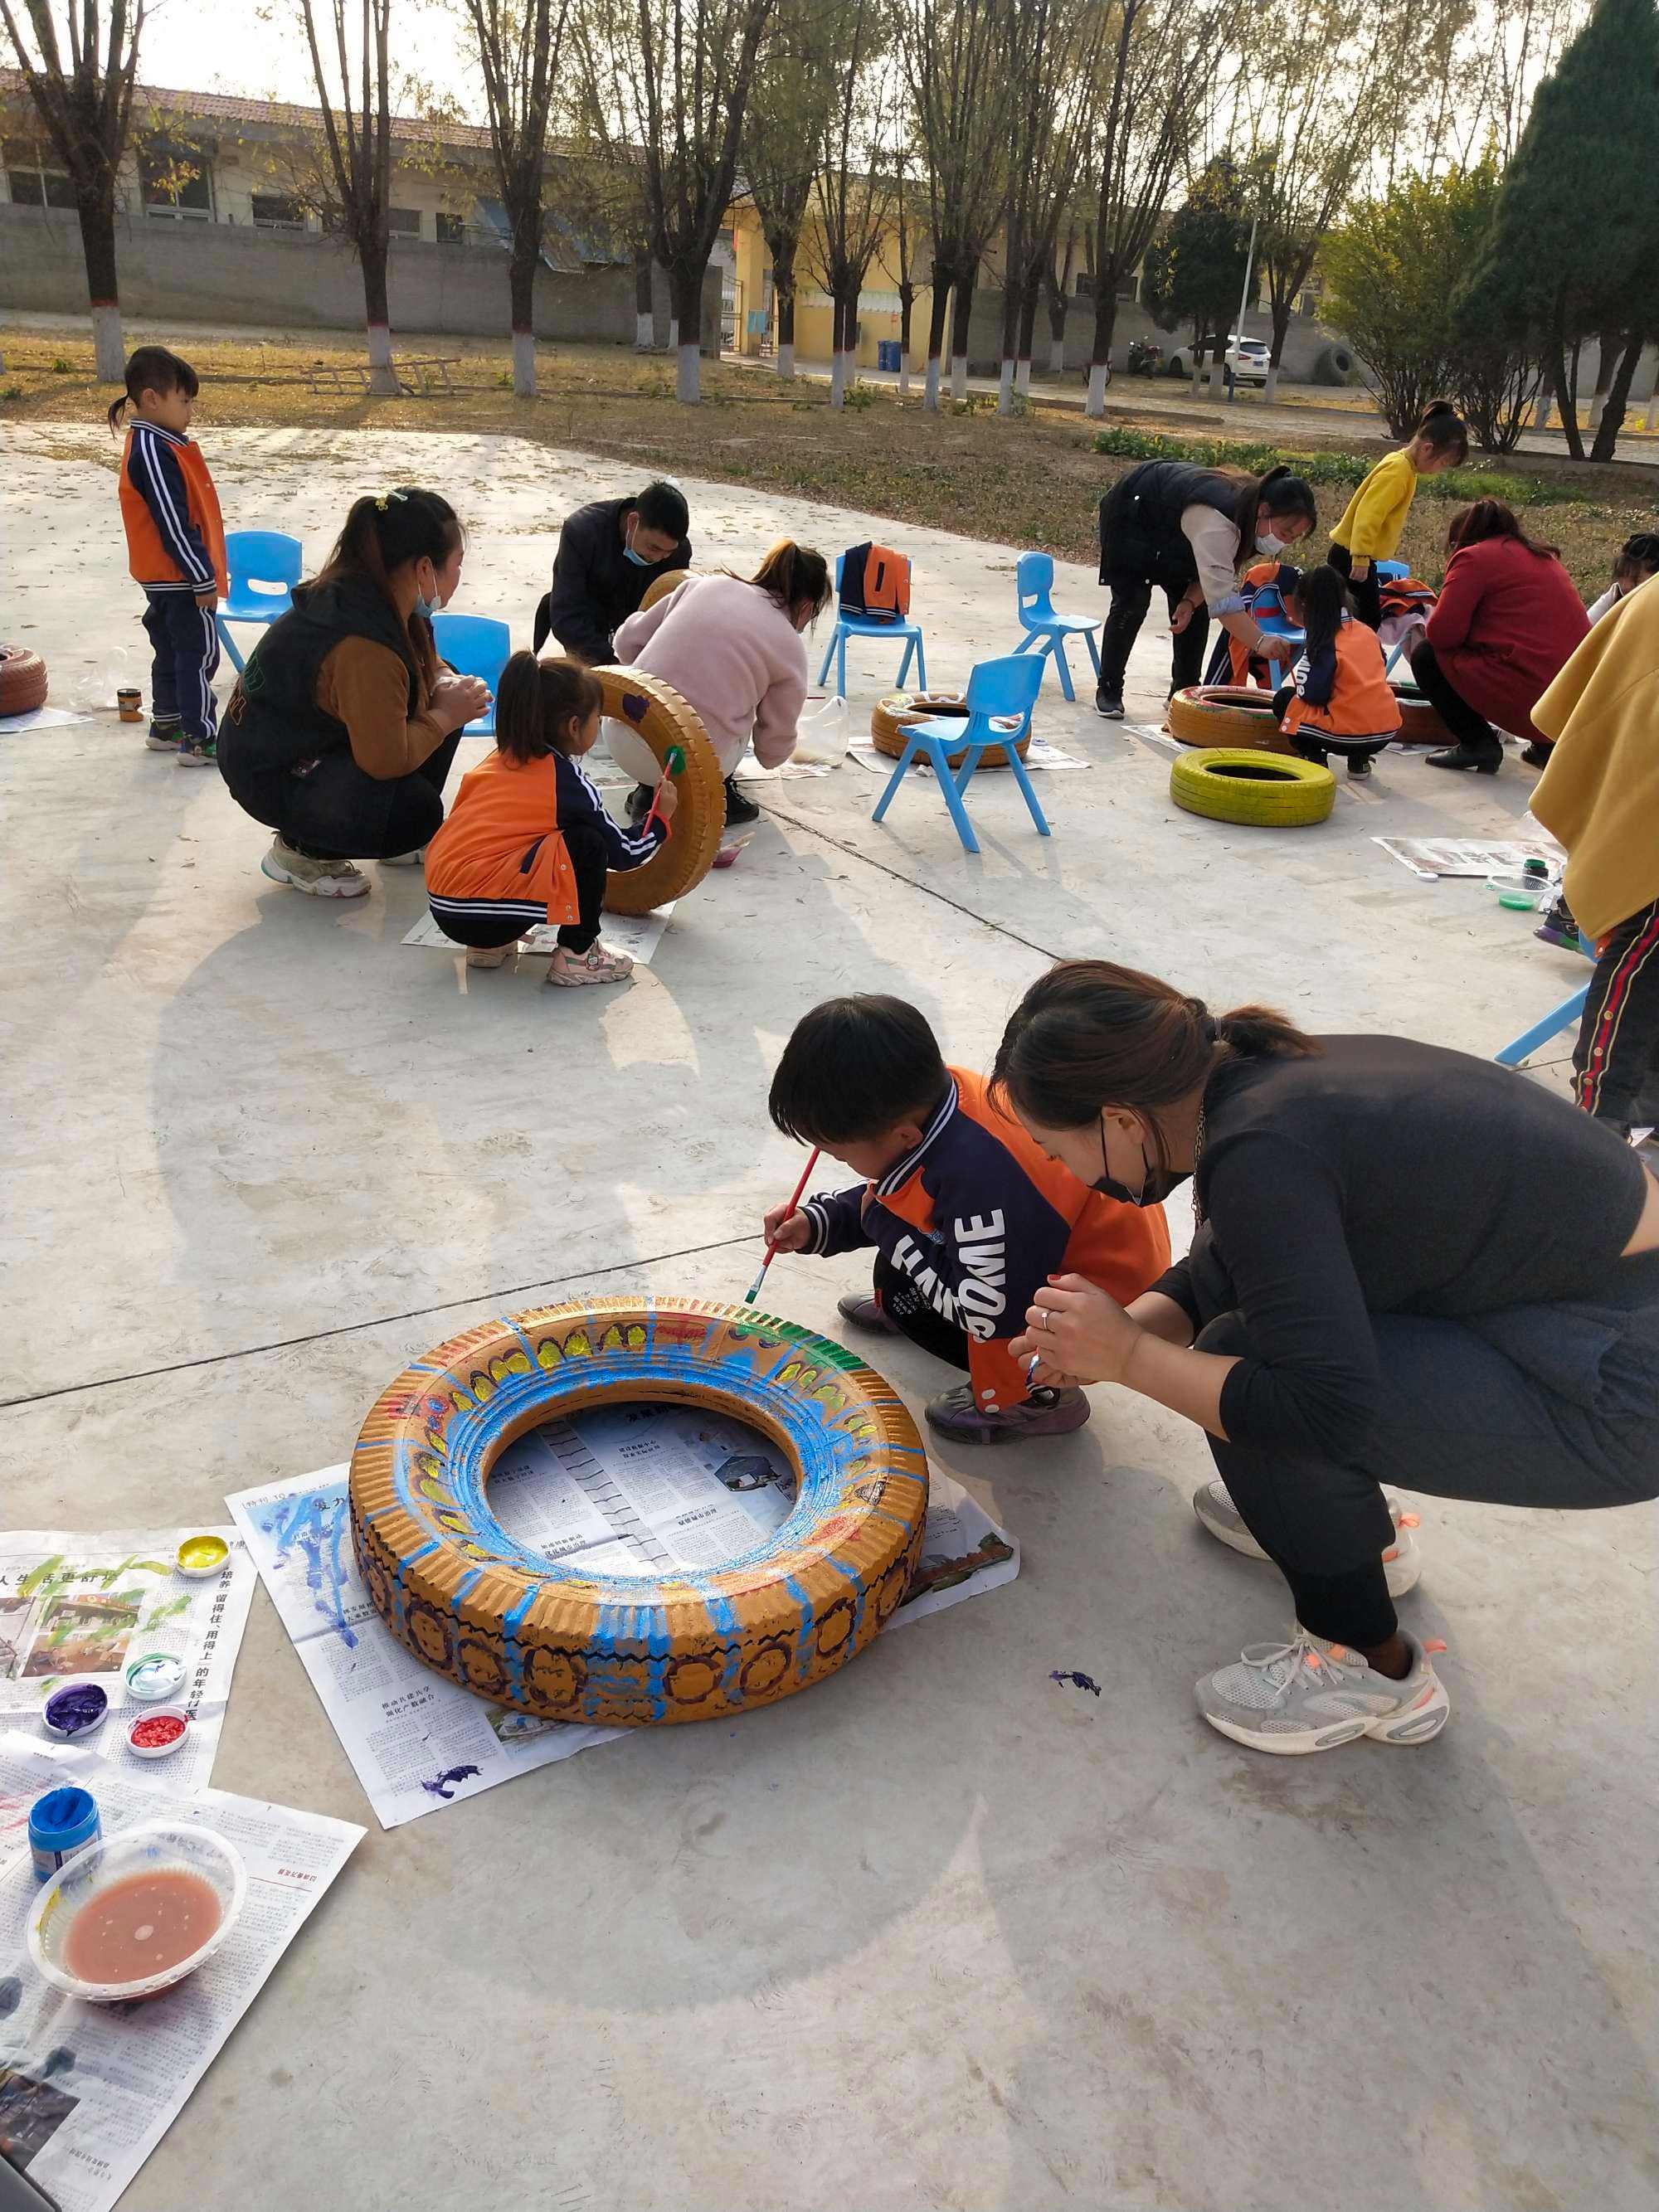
x: 875, y: 583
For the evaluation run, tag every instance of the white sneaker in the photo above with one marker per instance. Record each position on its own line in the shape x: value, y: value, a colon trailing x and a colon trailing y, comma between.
x: 322, y: 878
x: 1402, y: 1562
x: 489, y: 956
x: 1312, y: 1695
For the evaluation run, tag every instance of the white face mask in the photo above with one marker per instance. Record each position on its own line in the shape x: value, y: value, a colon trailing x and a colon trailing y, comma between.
x: 1266, y: 543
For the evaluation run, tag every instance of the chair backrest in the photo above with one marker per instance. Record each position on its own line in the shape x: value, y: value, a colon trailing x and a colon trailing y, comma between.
x: 1034, y: 581
x: 474, y: 645
x: 266, y: 556
x: 1007, y: 686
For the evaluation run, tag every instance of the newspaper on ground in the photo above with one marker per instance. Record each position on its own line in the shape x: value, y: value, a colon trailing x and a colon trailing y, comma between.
x: 636, y: 934
x: 638, y: 1489
x: 38, y: 718
x: 1430, y: 857
x: 1042, y: 755
x: 88, y: 1606
x: 749, y: 770
x: 87, y: 2091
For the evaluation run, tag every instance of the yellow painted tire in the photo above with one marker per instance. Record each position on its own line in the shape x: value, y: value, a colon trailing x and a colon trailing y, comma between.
x: 660, y: 587
x: 655, y: 713
x: 1268, y: 791
x: 890, y: 717
x: 634, y: 1650
x: 1227, y: 714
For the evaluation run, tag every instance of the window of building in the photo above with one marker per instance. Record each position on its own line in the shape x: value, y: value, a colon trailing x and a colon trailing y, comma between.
x: 452, y: 229
x: 276, y: 212
x: 177, y: 180
x: 34, y: 181
x: 404, y: 222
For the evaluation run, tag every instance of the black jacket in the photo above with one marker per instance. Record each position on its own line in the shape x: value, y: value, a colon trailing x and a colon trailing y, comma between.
x: 1140, y: 530
x: 272, y: 721
x: 595, y: 585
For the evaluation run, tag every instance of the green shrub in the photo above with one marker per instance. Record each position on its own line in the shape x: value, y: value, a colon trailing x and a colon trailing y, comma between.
x: 60, y: 367
x: 1342, y: 471
x: 12, y: 392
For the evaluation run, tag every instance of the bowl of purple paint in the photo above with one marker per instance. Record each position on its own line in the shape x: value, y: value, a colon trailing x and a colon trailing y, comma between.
x: 74, y: 1710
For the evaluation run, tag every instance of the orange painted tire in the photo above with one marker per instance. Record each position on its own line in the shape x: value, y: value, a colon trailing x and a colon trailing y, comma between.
x: 23, y: 680
x: 660, y: 587
x: 481, y: 1608
x: 1210, y: 714
x: 655, y: 713
x: 891, y: 716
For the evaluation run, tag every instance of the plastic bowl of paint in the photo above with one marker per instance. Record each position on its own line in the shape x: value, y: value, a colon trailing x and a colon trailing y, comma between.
x: 133, y: 1913
x: 199, y: 1559
x: 153, y: 1678
x: 1516, y: 889
x: 158, y: 1732
x: 75, y: 1710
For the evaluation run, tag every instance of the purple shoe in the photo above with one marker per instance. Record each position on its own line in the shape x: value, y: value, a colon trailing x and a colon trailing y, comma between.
x: 1045, y: 1414
x: 864, y: 1313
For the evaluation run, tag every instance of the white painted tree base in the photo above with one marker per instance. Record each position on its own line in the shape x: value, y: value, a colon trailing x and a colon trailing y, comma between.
x: 1005, y: 387
x: 959, y: 376
x: 930, y: 398
x: 786, y: 359
x: 837, y: 379
x: 1056, y: 356
x: 382, y: 377
x: 524, y: 364
x: 1095, y: 404
x: 645, y: 333
x: 687, y: 376
x: 109, y: 349
x: 1023, y: 377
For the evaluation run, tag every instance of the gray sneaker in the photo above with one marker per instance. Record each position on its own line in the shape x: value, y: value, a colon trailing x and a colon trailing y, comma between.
x: 1045, y: 1414
x: 1402, y: 1562
x: 1310, y: 1695
x: 865, y: 1313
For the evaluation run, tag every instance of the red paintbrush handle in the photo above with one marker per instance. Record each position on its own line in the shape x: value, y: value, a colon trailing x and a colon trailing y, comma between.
x: 812, y: 1161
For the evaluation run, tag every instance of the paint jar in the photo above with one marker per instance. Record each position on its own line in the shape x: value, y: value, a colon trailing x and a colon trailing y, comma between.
x: 199, y: 1559
x: 74, y: 1711
x: 159, y: 1733
x: 129, y: 703
x: 59, y: 1823
x: 155, y: 1677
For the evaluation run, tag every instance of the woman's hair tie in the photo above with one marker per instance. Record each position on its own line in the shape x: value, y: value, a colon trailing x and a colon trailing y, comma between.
x: 386, y: 498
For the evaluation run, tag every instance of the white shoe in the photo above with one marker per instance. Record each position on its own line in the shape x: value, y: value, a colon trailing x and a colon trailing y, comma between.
x: 490, y: 956
x: 413, y: 859
x: 1312, y: 1695
x: 321, y: 878
x: 1402, y: 1562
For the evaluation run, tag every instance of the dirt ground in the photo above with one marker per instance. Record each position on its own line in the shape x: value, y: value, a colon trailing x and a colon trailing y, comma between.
x: 1033, y: 481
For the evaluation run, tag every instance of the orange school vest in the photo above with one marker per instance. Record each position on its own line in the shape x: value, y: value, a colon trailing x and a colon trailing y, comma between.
x: 1362, y: 702
x: 501, y: 839
x: 149, y: 561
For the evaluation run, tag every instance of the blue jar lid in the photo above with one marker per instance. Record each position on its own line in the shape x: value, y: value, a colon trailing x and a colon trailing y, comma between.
x: 63, y: 1819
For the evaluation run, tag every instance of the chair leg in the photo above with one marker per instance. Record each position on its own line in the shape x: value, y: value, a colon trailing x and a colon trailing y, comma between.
x: 1569, y: 1012
x: 829, y: 655
x: 840, y: 667
x: 1094, y: 653
x: 228, y: 643
x: 905, y: 665
x: 952, y: 787
x: 1065, y: 672
x: 921, y: 665
x: 897, y: 778
x: 1024, y: 783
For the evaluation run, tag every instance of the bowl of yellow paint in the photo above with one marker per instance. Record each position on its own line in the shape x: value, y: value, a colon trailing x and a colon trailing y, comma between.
x: 201, y: 1557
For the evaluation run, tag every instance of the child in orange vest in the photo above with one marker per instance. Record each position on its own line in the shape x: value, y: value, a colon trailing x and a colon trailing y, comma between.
x: 528, y: 840
x: 175, y: 550
x: 1338, y: 699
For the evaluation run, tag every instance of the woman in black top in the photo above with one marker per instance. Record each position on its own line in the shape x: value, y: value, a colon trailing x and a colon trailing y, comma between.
x: 1409, y: 1266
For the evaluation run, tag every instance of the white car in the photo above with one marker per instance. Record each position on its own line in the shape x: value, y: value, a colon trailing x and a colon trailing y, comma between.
x: 1247, y: 358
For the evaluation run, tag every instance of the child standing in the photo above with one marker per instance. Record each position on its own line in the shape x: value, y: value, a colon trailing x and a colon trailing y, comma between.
x: 1374, y: 517
x: 967, y: 1214
x: 528, y: 840
x: 175, y: 550
x: 1338, y: 699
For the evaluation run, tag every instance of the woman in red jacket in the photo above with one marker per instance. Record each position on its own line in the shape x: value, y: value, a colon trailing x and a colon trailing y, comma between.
x: 1507, y: 621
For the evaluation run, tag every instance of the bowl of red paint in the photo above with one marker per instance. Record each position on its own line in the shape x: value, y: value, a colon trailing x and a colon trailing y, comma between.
x: 134, y: 1912
x: 158, y: 1733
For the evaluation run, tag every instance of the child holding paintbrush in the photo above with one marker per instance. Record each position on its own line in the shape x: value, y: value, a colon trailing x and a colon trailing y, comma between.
x: 967, y: 1216
x: 528, y: 839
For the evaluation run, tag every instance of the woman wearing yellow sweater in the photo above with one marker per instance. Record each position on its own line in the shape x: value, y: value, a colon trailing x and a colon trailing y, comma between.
x: 1374, y: 517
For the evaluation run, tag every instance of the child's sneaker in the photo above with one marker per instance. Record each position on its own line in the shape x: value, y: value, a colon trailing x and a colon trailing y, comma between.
x: 1309, y: 1695
x: 197, y: 752
x: 1045, y: 1414
x: 164, y: 737
x: 1558, y: 928
x: 862, y: 1311
x: 570, y: 971
x: 489, y: 956
x: 1359, y: 764
x: 1402, y: 1562
x: 321, y: 878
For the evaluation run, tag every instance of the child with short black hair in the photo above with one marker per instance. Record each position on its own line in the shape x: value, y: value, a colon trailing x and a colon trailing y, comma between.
x: 528, y: 840
x: 1338, y: 699
x: 175, y: 550
x: 967, y: 1215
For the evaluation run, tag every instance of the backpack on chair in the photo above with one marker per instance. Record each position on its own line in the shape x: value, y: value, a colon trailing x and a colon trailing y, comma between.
x: 875, y: 583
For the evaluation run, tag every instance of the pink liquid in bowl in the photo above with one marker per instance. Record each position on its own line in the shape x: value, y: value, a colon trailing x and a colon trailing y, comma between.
x: 140, y: 1925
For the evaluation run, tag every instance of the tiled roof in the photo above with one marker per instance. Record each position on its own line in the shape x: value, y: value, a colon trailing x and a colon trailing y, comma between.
x: 233, y: 107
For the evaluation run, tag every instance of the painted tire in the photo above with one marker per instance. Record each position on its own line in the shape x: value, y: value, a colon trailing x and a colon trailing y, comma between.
x: 890, y: 717
x: 1227, y: 714
x: 657, y: 714
x: 1269, y: 791
x: 629, y: 1650
x: 1419, y: 720
x: 23, y: 680
x: 660, y: 587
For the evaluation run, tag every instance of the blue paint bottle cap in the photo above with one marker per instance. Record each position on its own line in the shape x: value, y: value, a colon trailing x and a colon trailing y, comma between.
x: 61, y: 1821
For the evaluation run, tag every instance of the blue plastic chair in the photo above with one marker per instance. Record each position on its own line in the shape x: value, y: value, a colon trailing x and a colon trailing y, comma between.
x: 262, y: 556
x: 1569, y: 1012
x: 1034, y: 585
x: 857, y: 626
x: 998, y: 691
x: 1391, y: 572
x: 1279, y: 669
x: 475, y: 645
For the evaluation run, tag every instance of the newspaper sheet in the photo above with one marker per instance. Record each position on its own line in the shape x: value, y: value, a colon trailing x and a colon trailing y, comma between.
x: 628, y: 1489
x: 87, y: 2091
x: 1040, y: 755
x: 1433, y: 857
x: 84, y: 1606
x: 638, y: 935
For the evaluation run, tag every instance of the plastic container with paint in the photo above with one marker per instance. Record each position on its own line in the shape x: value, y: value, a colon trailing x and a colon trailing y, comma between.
x: 155, y: 1677
x: 74, y: 1710
x: 135, y: 1912
x: 201, y: 1557
x: 157, y: 1733
x: 59, y: 1823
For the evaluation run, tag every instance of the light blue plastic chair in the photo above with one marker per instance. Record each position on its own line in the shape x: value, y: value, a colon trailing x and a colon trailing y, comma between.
x: 475, y: 645
x: 856, y: 626
x: 1034, y: 586
x: 1390, y: 572
x: 267, y: 557
x: 1279, y: 668
x: 1566, y: 1017
x: 1000, y: 697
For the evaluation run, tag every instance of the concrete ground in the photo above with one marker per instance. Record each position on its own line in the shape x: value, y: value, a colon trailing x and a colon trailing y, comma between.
x: 940, y: 1932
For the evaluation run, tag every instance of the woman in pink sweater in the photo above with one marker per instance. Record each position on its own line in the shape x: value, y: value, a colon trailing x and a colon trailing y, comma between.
x: 731, y: 646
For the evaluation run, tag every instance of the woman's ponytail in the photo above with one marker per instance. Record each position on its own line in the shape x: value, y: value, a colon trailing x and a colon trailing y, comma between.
x: 794, y: 575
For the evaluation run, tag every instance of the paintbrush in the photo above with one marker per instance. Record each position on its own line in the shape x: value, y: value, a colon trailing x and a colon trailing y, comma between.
x: 766, y: 1257
x: 672, y: 762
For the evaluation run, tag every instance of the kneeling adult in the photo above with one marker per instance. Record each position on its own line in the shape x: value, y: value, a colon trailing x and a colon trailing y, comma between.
x: 343, y: 725
x: 610, y: 552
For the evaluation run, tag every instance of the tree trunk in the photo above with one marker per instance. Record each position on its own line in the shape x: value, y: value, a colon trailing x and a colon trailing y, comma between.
x: 1059, y: 308
x: 645, y: 320
x: 837, y: 350
x: 1100, y: 352
x: 1028, y: 311
x: 382, y: 377
x: 1566, y: 398
x: 685, y: 289
x: 906, y: 308
x: 936, y: 320
x: 1281, y: 315
x: 521, y: 285
x: 784, y: 301
x: 1008, y: 348
x: 1606, y: 352
x: 961, y: 320
x: 1613, y: 414
x: 97, y: 218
